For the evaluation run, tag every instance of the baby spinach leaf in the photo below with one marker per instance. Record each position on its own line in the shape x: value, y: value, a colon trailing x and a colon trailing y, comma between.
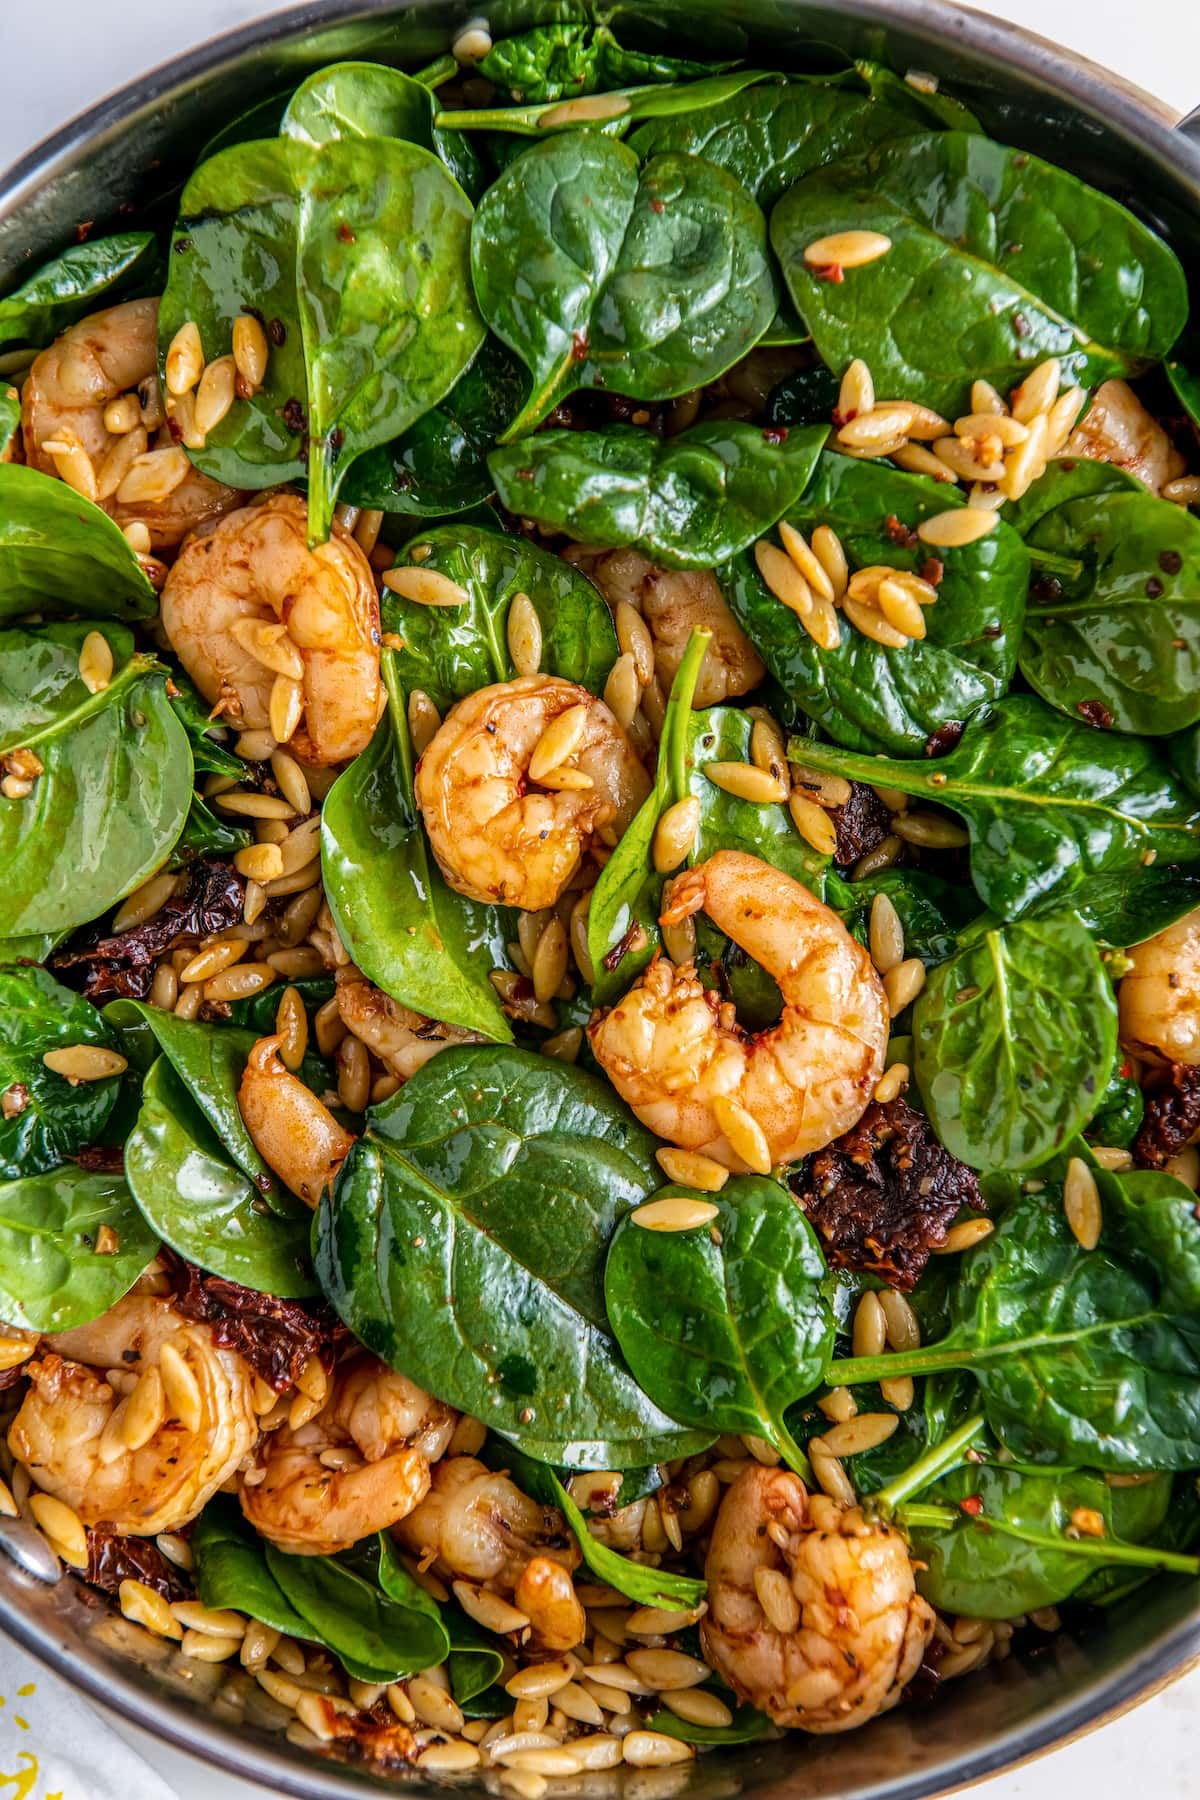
x: 375, y: 1638
x: 1185, y: 383
x: 52, y: 1276
x: 439, y: 465
x: 747, y: 1725
x: 1118, y: 644
x: 1127, y: 908
x: 1015, y: 1038
x: 688, y: 502
x: 726, y: 1334
x: 497, y: 1176
x: 116, y: 781
x: 451, y: 651
x: 623, y: 107
x: 45, y: 1118
x: 231, y: 1570
x: 560, y: 61
x: 207, y: 736
x: 196, y: 1198
x: 368, y: 100
x: 389, y: 1573
x: 59, y: 553
x: 10, y: 422
x: 409, y: 933
x: 600, y: 273
x: 864, y: 694
x: 931, y: 910
x: 1119, y: 1114
x: 83, y: 278
x: 1093, y: 1356
x: 1049, y: 803
x: 997, y: 260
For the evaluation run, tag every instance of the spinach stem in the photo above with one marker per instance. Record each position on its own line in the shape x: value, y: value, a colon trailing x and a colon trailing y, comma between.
x: 928, y: 1468
x: 792, y: 1454
x: 931, y: 1361
x: 434, y: 73
x: 1046, y: 560
x: 683, y: 690
x: 1101, y: 1550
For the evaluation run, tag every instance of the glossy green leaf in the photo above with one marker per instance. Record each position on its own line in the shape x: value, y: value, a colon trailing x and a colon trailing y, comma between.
x: 210, y: 740
x: 423, y: 944
x: 59, y: 553
x: 1119, y: 1114
x: 1185, y: 383
x: 231, y: 1570
x: 600, y: 273
x: 452, y: 651
x: 10, y: 421
x: 748, y: 1724
x: 85, y: 277
x: 623, y: 107
x: 864, y: 694
x: 725, y: 1332
x: 930, y: 910
x: 997, y: 260
x: 51, y: 1275
x: 1049, y: 803
x: 498, y: 1175
x: 375, y: 1638
x: 45, y: 1117
x: 116, y: 781
x: 562, y: 60
x: 1128, y: 907
x: 352, y: 100
x: 687, y: 502
x: 1015, y: 1038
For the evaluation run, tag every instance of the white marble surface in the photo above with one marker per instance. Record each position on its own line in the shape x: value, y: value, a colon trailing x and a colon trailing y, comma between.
x: 59, y: 55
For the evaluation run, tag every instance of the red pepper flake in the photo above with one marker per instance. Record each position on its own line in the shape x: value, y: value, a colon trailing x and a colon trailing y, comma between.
x: 656, y: 206
x: 775, y: 434
x: 345, y: 235
x: 830, y: 272
x: 1125, y: 1070
x: 972, y: 1505
x: 899, y: 532
x: 1096, y: 713
x: 579, y: 346
x: 84, y: 231
x: 932, y: 570
x: 1020, y: 325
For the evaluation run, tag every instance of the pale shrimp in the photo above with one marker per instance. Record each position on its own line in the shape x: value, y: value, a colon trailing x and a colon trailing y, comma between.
x: 498, y: 834
x: 1159, y: 996
x: 109, y: 357
x: 676, y: 1053
x: 476, y: 1525
x: 674, y: 603
x: 295, y: 1133
x: 1117, y: 429
x: 841, y: 1635
x: 357, y: 1466
x: 148, y: 1459
x: 403, y: 1040
x: 251, y: 579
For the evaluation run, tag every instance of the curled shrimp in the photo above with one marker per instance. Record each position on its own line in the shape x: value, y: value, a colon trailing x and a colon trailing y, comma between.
x: 295, y: 1133
x: 674, y: 603
x: 498, y: 835
x: 850, y: 1629
x: 150, y: 1459
x: 403, y: 1040
x: 356, y: 1467
x: 475, y: 1525
x: 71, y: 385
x: 1159, y: 997
x: 1117, y: 429
x: 315, y: 613
x: 676, y: 1053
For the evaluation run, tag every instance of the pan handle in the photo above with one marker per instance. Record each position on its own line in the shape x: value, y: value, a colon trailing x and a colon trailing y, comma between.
x: 1190, y: 125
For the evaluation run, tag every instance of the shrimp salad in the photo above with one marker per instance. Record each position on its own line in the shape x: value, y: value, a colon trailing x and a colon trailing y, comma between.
x: 600, y: 965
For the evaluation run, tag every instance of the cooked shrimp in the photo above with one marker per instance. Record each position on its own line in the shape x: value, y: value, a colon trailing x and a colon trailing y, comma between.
x: 356, y: 1467
x: 1117, y: 429
x: 403, y: 1040
x: 498, y: 835
x: 1159, y: 998
x: 148, y: 1460
x: 861, y: 1628
x: 476, y: 1525
x: 295, y: 1133
x: 254, y: 567
x: 70, y: 387
x: 674, y: 603
x: 676, y: 1053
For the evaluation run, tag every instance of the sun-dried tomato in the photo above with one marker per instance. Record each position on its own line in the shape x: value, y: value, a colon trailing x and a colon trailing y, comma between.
x: 122, y: 964
x: 861, y: 825
x: 1171, y: 1118
x: 114, y: 1558
x: 276, y: 1337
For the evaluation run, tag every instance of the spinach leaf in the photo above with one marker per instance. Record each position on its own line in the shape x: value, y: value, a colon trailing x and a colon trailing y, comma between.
x: 451, y: 651
x: 52, y: 1276
x: 931, y: 910
x: 1118, y: 644
x: 560, y: 61
x: 45, y: 1118
x: 423, y: 944
x: 355, y: 100
x: 376, y: 1639
x: 864, y: 694
x: 602, y: 273
x: 1129, y: 907
x: 725, y: 1334
x: 231, y: 1570
x: 10, y: 422
x: 1050, y: 804
x: 1185, y: 383
x: 257, y: 1012
x: 1093, y: 1356
x: 748, y: 1725
x: 1015, y: 1038
x: 1119, y: 1114
x: 196, y: 1198
x: 116, y: 781
x: 997, y: 260
x: 623, y: 107
x: 475, y: 1662
x: 687, y: 502
x: 204, y: 834
x: 206, y: 735
x: 497, y: 1175
x: 983, y: 1565
x: 84, y: 277
x: 59, y: 553
x: 438, y: 467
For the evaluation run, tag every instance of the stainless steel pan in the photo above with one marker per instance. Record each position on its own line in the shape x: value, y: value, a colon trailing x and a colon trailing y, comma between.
x: 129, y: 152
